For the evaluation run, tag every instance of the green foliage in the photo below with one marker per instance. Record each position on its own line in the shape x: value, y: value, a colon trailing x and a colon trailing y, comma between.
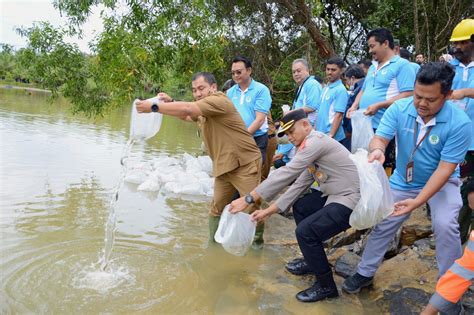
x: 7, y: 61
x: 156, y: 45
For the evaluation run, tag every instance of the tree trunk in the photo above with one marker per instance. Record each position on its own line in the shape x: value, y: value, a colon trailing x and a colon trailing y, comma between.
x: 302, y: 16
x: 415, y: 22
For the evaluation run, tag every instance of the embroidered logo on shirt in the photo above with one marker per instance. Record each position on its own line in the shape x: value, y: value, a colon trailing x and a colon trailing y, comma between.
x: 384, y: 71
x: 248, y: 99
x: 434, y: 139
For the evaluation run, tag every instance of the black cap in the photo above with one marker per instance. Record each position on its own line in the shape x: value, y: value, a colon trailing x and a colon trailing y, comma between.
x: 287, y: 121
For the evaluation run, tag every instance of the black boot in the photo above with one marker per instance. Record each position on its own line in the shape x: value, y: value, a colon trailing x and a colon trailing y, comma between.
x: 298, y: 267
x: 323, y: 288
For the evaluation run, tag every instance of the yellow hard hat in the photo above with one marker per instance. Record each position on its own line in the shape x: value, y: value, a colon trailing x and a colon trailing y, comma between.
x: 463, y: 31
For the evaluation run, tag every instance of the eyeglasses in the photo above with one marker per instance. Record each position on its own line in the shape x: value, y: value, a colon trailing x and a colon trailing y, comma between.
x: 237, y: 72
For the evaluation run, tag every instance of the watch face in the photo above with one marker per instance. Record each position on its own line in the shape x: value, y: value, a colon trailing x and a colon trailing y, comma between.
x: 154, y: 108
x: 248, y: 199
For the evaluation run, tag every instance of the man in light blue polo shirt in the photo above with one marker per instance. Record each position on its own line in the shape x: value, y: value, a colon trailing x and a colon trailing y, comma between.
x: 463, y: 54
x: 405, y: 54
x: 433, y: 137
x: 308, y: 93
x: 390, y: 78
x: 463, y: 41
x: 252, y: 100
x: 333, y: 101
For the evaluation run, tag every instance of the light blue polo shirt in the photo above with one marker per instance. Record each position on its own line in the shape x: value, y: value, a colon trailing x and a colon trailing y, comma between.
x: 285, y: 149
x: 391, y: 79
x: 255, y: 99
x: 333, y: 100
x: 470, y: 113
x: 464, y: 74
x: 463, y: 78
x: 448, y: 141
x: 415, y: 67
x: 309, y: 97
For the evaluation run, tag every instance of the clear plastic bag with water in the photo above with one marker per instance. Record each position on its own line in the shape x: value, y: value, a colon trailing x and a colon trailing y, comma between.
x: 362, y: 131
x: 143, y: 126
x: 235, y: 232
x: 376, y: 201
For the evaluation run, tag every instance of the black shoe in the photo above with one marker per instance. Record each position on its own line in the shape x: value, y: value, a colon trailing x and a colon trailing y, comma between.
x: 298, y: 267
x: 354, y: 283
x: 295, y: 261
x: 323, y: 288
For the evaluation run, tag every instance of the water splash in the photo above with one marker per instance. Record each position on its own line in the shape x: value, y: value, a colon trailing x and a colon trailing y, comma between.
x: 110, y: 226
x: 103, y: 281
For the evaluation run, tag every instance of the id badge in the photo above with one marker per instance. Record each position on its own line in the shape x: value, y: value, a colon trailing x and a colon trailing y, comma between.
x: 409, y: 172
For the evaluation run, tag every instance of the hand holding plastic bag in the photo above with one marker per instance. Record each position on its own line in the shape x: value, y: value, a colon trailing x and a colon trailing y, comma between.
x: 362, y: 131
x: 376, y: 201
x: 235, y: 232
x: 143, y: 126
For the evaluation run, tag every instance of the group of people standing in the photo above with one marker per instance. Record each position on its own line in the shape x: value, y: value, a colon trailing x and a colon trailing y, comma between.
x: 412, y: 113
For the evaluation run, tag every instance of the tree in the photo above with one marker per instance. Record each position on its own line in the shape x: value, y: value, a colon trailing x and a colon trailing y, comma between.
x: 156, y: 45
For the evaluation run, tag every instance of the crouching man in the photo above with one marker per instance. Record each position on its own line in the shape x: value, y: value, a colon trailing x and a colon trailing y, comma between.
x: 319, y: 215
x: 433, y: 136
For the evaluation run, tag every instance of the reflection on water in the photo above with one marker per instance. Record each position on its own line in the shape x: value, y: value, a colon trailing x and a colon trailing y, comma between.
x: 58, y: 172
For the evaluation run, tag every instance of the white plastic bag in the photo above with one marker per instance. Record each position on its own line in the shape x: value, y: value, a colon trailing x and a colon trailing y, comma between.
x: 362, y: 131
x: 137, y: 173
x: 151, y: 184
x: 235, y: 232
x: 386, y: 204
x: 376, y: 201
x: 143, y: 126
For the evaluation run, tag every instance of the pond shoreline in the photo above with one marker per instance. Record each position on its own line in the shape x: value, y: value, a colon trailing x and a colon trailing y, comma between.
x: 25, y: 88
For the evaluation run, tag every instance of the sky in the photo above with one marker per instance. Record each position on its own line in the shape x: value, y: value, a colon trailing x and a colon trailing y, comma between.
x: 22, y: 13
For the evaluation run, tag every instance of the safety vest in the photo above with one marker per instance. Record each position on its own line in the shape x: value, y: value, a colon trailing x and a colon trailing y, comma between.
x: 452, y: 285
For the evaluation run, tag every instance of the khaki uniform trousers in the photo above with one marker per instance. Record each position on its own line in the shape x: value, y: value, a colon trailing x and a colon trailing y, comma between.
x: 271, y: 148
x: 243, y: 179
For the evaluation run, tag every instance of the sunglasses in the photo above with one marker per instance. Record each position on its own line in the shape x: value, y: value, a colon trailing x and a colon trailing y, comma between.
x: 237, y: 72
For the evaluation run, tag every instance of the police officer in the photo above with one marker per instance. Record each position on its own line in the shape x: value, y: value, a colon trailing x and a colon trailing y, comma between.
x: 319, y: 215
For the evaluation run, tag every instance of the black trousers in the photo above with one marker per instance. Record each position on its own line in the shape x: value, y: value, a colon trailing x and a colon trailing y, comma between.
x: 316, y: 223
x: 262, y: 143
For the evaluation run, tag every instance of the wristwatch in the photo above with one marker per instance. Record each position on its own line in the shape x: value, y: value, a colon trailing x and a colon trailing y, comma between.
x: 249, y: 199
x: 155, y: 107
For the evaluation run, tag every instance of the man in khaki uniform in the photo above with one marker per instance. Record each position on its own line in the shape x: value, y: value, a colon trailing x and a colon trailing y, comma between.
x: 235, y: 157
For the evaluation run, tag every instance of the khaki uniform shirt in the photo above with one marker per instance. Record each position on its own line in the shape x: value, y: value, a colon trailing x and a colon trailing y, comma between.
x: 320, y: 159
x: 229, y: 143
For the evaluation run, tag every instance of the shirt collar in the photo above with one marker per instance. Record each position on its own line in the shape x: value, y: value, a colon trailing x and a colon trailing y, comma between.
x: 470, y: 65
x: 334, y: 84
x: 432, y: 122
x: 250, y: 87
x: 395, y: 58
x: 455, y: 62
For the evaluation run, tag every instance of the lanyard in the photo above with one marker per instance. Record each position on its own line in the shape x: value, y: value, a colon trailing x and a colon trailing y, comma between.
x: 415, y: 134
x: 298, y: 91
